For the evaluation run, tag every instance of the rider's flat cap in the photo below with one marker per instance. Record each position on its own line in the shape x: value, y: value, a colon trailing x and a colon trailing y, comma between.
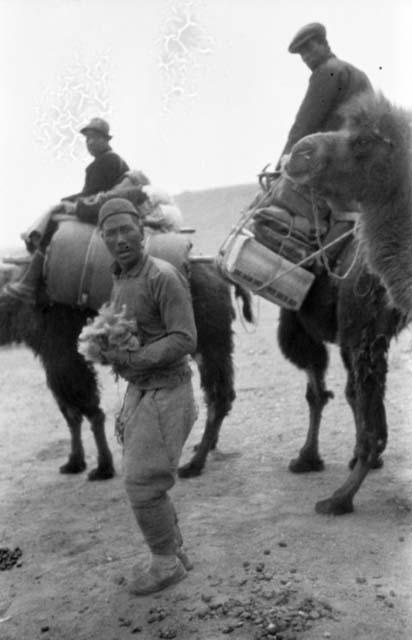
x: 99, y: 125
x: 114, y: 206
x: 311, y: 30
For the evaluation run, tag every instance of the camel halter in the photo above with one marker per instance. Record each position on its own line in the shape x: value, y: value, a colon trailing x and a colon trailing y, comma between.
x: 322, y: 248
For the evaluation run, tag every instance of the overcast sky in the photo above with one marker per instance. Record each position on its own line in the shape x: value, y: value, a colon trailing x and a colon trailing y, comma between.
x: 199, y: 93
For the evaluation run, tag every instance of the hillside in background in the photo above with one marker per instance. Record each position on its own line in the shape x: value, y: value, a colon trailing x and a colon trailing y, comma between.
x: 213, y: 212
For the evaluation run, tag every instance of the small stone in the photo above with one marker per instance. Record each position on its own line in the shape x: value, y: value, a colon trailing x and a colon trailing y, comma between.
x: 401, y: 539
x: 206, y: 597
x: 360, y: 580
x: 327, y: 634
x: 267, y: 576
x: 125, y: 622
x: 216, y: 582
x: 218, y: 601
x: 202, y: 612
x: 45, y: 628
x: 150, y: 619
x: 392, y: 593
x: 282, y: 543
x: 260, y: 566
x: 136, y: 630
x: 267, y: 552
x: 246, y: 615
x: 228, y: 629
x: 168, y: 634
x: 246, y: 564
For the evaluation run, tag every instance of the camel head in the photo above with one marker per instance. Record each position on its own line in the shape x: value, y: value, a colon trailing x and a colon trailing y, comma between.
x: 366, y: 160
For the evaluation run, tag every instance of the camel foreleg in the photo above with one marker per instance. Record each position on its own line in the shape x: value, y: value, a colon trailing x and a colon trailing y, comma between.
x: 317, y: 397
x: 369, y: 375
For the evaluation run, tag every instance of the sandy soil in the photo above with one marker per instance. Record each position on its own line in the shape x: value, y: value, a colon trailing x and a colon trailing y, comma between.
x: 264, y: 560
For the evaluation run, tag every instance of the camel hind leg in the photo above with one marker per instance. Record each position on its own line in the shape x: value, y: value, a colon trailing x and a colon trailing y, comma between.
x: 214, y: 315
x: 216, y: 378
x: 76, y: 462
x: 310, y: 355
x: 74, y: 405
x: 73, y: 384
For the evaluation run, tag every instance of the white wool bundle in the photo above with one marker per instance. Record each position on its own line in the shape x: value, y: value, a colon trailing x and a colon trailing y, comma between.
x: 108, y: 330
x: 172, y: 216
x: 156, y: 195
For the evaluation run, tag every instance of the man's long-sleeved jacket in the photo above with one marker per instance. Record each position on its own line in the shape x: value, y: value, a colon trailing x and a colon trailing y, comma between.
x: 331, y: 84
x: 157, y: 298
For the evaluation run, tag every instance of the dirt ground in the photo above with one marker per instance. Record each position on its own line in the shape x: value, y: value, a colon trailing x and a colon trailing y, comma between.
x: 266, y: 565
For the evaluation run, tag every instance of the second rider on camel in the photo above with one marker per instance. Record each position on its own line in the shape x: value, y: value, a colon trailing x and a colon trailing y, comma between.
x: 106, y: 170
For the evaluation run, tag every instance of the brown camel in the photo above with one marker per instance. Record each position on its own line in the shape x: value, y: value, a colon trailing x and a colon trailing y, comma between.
x: 367, y: 164
x: 369, y: 161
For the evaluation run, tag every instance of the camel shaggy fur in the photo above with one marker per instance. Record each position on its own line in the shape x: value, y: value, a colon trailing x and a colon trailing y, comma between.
x: 369, y: 161
x: 51, y: 330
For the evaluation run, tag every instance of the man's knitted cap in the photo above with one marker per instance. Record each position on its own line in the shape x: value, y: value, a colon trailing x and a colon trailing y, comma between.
x: 115, y: 206
x: 312, y: 30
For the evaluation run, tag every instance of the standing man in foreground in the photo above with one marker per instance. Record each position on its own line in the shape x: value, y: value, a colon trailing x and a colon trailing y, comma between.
x: 158, y: 410
x: 331, y: 84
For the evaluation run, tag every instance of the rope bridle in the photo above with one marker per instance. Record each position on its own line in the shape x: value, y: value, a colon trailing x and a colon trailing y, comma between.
x: 322, y: 248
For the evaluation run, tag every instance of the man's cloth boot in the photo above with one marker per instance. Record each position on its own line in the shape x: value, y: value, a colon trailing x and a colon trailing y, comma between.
x: 184, y: 558
x: 180, y: 551
x: 164, y: 571
x: 25, y: 288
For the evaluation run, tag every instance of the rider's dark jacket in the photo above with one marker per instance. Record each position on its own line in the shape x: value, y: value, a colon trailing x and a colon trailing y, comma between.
x: 104, y: 172
x: 331, y: 84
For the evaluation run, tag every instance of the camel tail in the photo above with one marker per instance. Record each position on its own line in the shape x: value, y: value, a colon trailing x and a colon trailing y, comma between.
x: 246, y: 299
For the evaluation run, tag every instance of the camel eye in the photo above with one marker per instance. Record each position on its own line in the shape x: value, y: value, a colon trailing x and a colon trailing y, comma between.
x: 361, y: 145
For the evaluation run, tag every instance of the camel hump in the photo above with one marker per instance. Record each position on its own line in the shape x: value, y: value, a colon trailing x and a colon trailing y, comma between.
x: 78, y: 265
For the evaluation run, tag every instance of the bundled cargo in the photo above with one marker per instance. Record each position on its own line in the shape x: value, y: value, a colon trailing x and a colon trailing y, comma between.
x: 272, y: 247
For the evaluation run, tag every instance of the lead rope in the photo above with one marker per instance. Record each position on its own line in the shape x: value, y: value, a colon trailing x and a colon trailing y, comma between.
x: 322, y: 252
